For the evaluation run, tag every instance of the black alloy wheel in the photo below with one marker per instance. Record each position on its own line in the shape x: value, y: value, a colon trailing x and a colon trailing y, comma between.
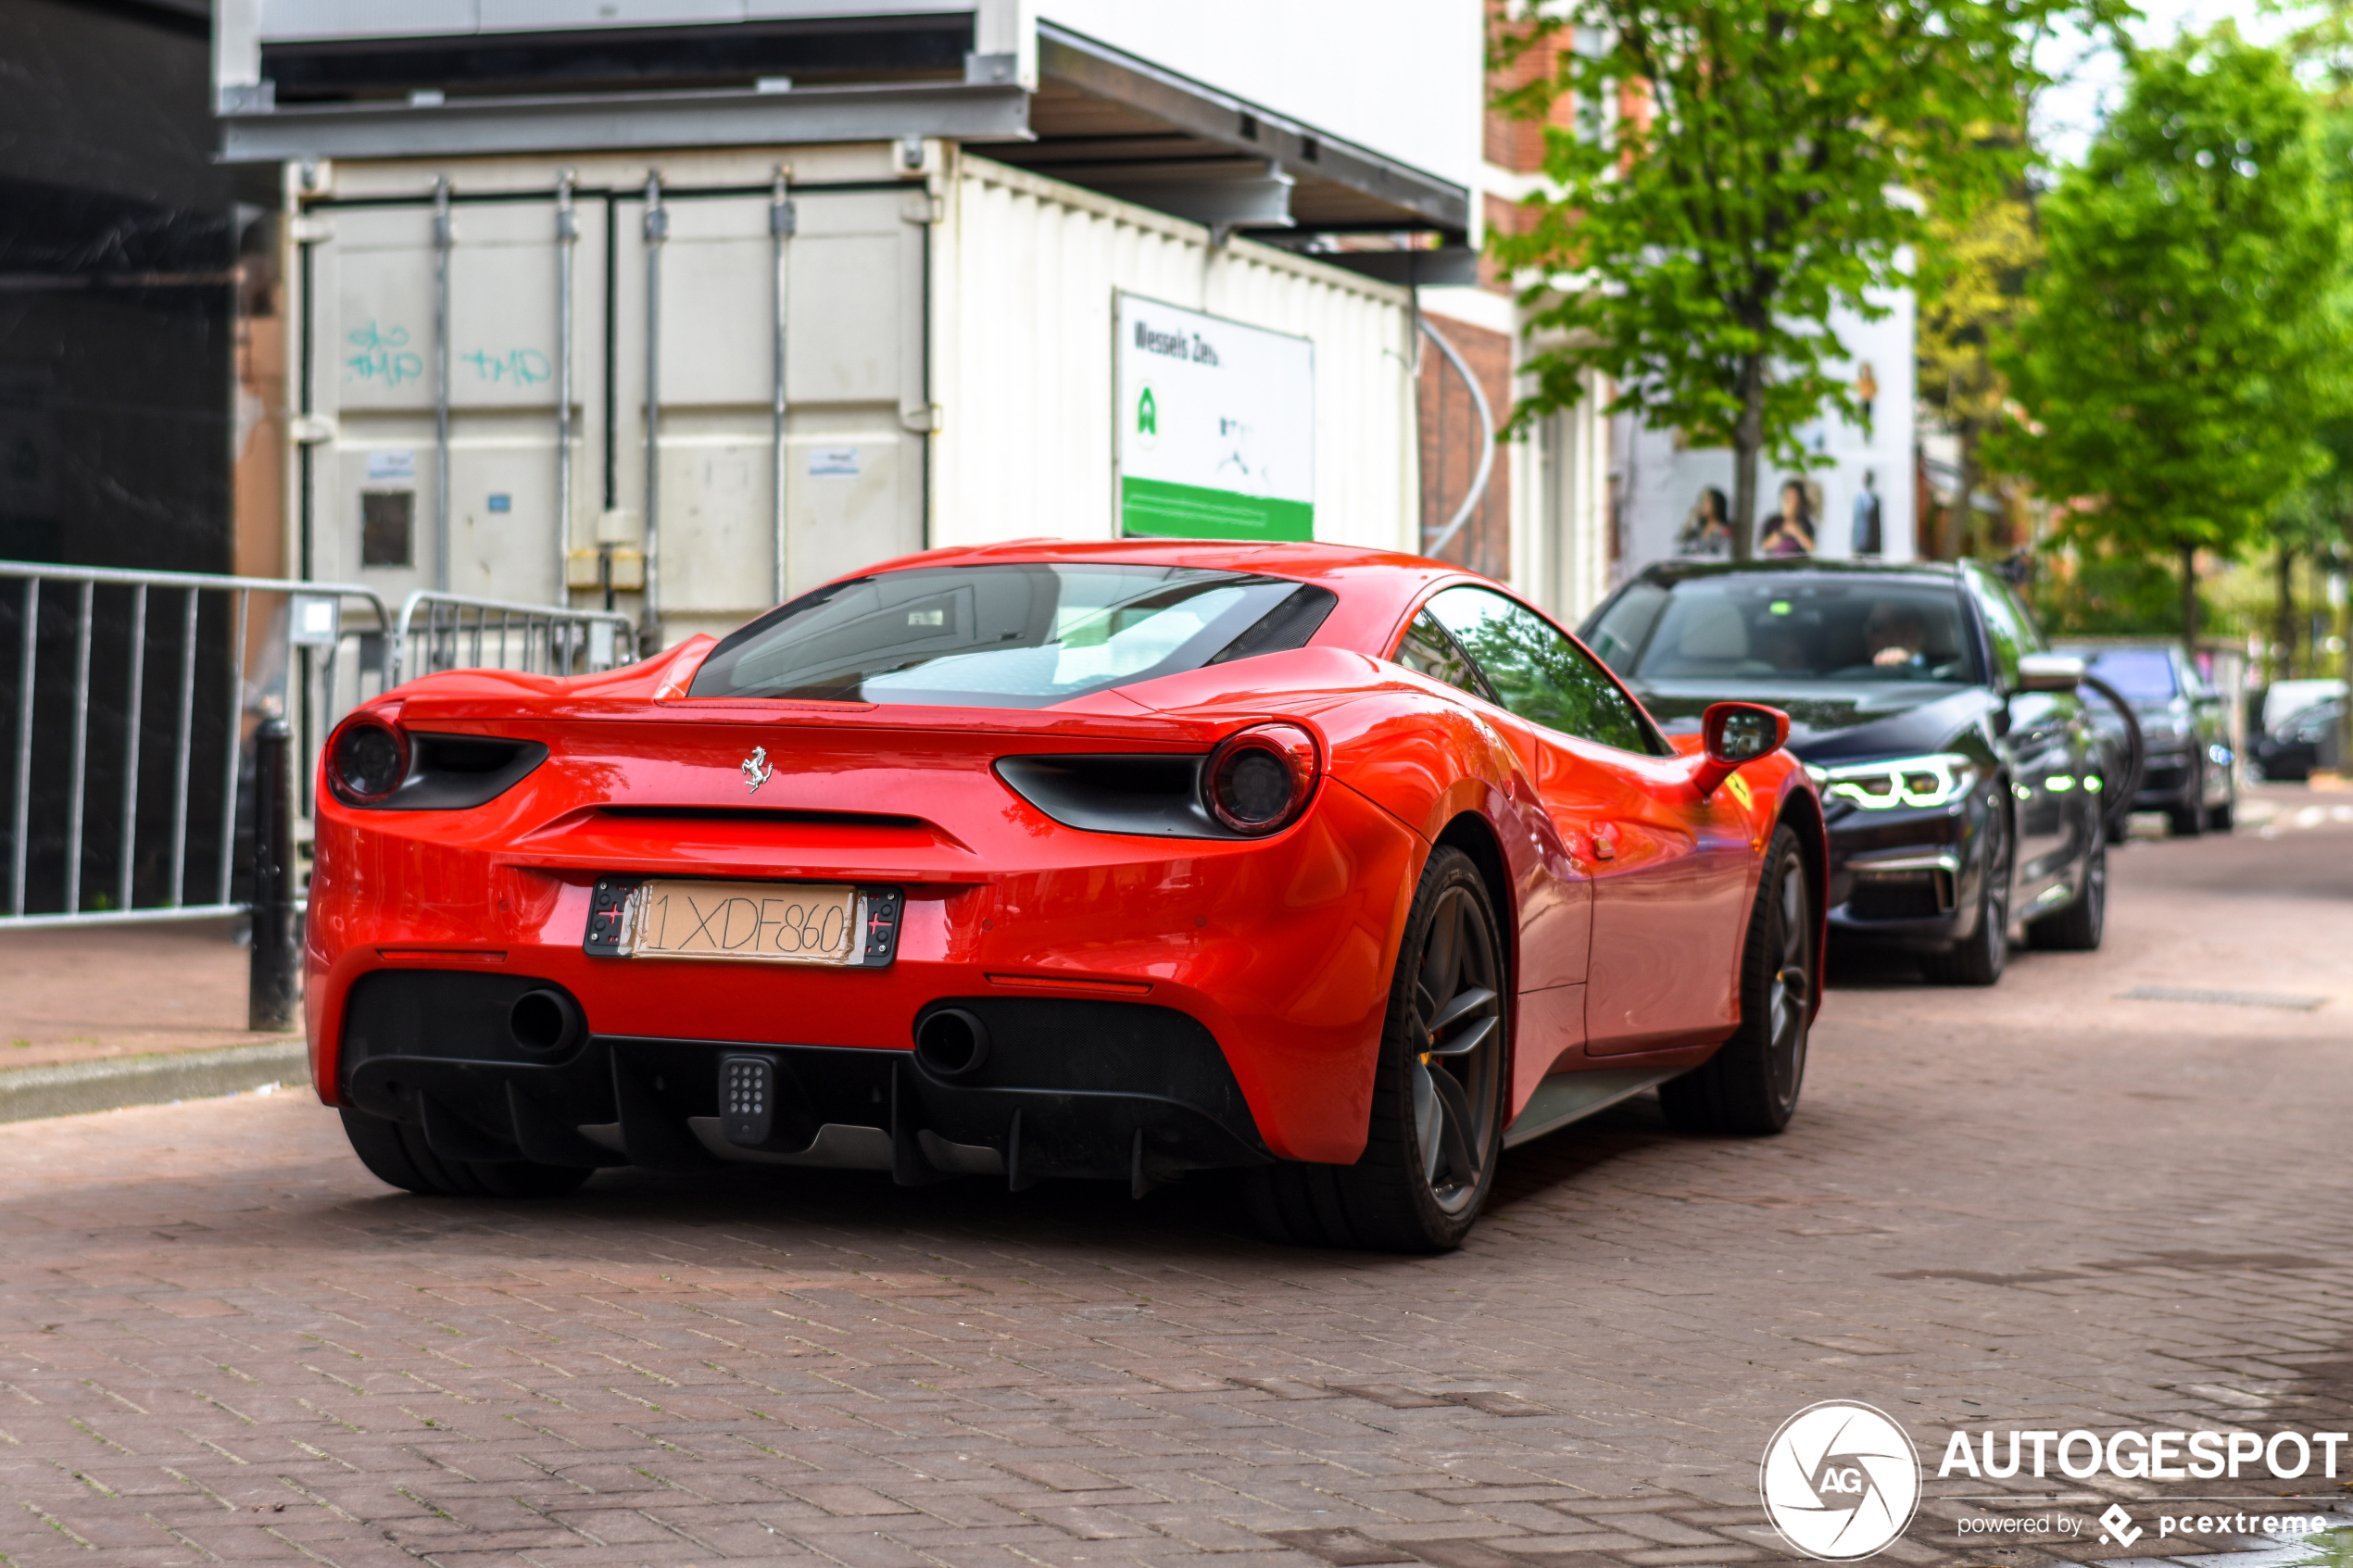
x: 2079, y: 927
x: 1752, y: 1082
x: 1979, y: 957
x: 396, y: 1155
x: 1457, y: 1012
x: 1437, y: 1129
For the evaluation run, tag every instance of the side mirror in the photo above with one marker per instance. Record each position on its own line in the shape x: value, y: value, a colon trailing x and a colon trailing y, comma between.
x: 1735, y: 733
x: 2050, y: 673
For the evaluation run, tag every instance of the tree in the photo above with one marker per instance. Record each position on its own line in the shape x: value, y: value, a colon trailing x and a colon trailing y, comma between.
x: 1972, y: 275
x: 1736, y: 169
x: 2179, y: 352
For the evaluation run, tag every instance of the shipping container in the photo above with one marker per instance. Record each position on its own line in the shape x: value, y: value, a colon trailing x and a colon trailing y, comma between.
x: 475, y: 410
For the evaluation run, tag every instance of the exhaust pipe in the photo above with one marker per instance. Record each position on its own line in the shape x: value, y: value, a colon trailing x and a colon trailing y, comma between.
x: 951, y: 1043
x: 546, y: 1022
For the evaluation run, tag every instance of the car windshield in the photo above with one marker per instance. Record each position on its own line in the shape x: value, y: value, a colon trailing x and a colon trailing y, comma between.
x: 1783, y: 627
x: 1013, y: 636
x: 2142, y: 674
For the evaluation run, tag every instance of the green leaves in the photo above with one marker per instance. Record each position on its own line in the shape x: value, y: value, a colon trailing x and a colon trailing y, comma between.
x: 1735, y: 170
x: 2184, y: 342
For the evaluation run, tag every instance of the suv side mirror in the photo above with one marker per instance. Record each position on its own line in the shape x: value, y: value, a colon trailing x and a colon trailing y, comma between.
x: 1735, y: 733
x: 2050, y: 673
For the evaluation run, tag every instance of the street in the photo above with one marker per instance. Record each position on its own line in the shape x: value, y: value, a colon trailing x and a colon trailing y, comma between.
x: 2053, y: 1205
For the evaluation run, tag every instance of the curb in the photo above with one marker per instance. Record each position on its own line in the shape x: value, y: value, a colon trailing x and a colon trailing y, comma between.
x: 77, y: 1088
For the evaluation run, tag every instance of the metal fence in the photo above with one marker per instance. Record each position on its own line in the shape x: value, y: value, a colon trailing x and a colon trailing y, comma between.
x: 451, y: 632
x: 134, y: 694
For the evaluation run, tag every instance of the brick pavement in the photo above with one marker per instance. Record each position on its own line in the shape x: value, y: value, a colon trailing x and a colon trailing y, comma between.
x: 2039, y: 1206
x: 87, y: 994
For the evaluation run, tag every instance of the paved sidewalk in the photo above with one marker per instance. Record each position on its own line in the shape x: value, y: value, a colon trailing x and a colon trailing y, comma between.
x: 2041, y: 1206
x: 92, y: 993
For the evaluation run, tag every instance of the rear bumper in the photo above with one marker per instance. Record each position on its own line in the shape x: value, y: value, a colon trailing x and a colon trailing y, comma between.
x: 1276, y: 952
x: 1069, y: 1087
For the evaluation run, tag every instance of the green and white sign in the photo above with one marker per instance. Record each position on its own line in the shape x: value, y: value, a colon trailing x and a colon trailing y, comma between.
x: 1216, y: 425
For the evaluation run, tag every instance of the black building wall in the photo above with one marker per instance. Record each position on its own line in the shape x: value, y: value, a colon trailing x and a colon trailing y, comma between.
x: 118, y: 242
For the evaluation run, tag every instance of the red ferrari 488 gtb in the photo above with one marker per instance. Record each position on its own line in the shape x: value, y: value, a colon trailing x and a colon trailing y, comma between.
x: 1340, y: 870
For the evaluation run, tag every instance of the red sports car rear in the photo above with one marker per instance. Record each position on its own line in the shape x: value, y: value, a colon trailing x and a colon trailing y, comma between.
x: 1118, y: 861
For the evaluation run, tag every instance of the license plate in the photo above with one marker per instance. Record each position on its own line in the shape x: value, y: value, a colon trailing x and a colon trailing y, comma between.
x: 810, y: 922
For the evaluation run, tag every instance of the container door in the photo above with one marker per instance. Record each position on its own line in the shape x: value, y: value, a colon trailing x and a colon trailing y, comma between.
x: 853, y: 490
x: 374, y: 361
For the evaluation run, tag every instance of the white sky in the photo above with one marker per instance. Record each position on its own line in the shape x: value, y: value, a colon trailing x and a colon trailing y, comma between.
x: 2092, y: 75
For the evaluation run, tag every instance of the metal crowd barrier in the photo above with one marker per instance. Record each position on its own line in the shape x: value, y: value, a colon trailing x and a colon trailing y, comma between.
x: 142, y: 664
x: 459, y: 633
x: 142, y: 882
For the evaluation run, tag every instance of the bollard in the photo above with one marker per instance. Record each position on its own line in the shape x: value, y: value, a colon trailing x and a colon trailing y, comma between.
x: 273, y: 995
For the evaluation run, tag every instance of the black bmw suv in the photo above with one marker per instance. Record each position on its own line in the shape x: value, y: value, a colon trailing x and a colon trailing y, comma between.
x: 1964, y: 783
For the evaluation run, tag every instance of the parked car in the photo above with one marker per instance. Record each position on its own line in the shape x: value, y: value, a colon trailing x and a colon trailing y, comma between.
x: 2305, y: 739
x: 2284, y: 699
x: 1962, y: 779
x: 1115, y: 860
x: 2189, y: 772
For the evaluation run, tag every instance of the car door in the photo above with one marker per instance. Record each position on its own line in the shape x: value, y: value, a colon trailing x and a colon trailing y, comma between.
x: 1557, y: 895
x: 2210, y: 728
x: 2049, y: 755
x: 1669, y: 874
x: 1554, y: 891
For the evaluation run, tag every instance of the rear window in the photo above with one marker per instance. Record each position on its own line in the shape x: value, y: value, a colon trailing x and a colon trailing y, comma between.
x: 1013, y: 636
x: 1784, y: 627
x: 2142, y: 674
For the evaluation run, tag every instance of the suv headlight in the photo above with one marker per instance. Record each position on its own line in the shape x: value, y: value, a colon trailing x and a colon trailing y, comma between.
x: 1938, y: 780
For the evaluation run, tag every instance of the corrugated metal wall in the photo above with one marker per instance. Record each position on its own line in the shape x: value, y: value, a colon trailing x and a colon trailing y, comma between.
x: 1024, y: 273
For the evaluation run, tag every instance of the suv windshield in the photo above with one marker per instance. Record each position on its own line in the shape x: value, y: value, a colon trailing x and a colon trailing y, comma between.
x: 2142, y: 674
x: 1784, y: 627
x: 1026, y: 635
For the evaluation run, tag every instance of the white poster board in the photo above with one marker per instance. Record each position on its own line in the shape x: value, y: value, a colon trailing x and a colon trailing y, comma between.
x: 1216, y: 426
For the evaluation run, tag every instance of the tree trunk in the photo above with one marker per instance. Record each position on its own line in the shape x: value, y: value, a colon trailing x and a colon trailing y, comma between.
x: 2283, y: 619
x: 1957, y: 526
x: 1748, y: 439
x: 2189, y: 599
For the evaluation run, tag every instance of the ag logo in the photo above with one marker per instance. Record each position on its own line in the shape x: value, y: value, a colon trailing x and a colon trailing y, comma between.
x: 1147, y: 420
x: 1839, y: 1481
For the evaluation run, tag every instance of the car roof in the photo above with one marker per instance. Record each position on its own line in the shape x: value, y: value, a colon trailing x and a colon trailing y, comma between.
x: 1281, y: 559
x: 1670, y: 573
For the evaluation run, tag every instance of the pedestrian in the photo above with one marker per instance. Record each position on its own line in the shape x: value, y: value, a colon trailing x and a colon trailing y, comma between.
x: 1708, y: 529
x: 1868, y: 533
x: 1788, y: 534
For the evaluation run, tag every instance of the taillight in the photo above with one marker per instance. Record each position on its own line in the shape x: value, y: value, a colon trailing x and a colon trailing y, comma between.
x: 367, y: 760
x: 1259, y: 781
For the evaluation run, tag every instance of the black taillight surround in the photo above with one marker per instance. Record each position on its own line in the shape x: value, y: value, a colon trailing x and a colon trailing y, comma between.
x: 440, y: 771
x: 1156, y: 794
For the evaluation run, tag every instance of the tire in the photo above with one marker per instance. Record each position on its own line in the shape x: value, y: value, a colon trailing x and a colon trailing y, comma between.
x: 1979, y: 957
x: 2223, y: 817
x: 395, y: 1154
x: 2189, y: 821
x: 2079, y: 927
x: 1437, y: 1126
x: 1752, y: 1082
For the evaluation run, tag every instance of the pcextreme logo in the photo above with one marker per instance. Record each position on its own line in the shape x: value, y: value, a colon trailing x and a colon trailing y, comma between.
x: 1839, y: 1481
